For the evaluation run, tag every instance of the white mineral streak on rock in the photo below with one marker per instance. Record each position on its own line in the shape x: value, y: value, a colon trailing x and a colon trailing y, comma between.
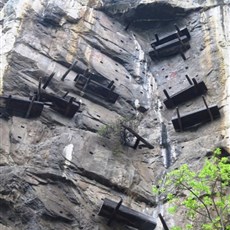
x: 140, y: 56
x: 37, y: 6
x: 227, y: 65
x: 68, y: 153
x: 159, y: 105
x: 173, y: 152
x: 141, y: 66
x: 75, y: 9
x: 88, y: 49
x: 137, y: 103
x: 90, y: 18
x: 12, y: 27
x: 138, y: 69
x: 222, y: 28
x: 164, y: 154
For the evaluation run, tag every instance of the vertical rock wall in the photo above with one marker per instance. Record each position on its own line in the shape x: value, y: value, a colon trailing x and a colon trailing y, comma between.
x: 55, y: 171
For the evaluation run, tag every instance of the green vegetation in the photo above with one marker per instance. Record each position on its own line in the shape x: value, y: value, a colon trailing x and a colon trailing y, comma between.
x: 116, y: 132
x: 112, y: 130
x: 204, y: 194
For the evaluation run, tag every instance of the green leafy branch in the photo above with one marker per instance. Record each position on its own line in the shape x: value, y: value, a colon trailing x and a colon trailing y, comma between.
x: 204, y: 194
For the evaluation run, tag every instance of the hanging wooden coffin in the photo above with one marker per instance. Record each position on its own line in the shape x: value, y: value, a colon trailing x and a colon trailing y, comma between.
x: 67, y: 108
x: 196, y: 89
x: 177, y: 42
x: 117, y: 212
x: 92, y: 87
x: 195, y: 119
x: 26, y: 108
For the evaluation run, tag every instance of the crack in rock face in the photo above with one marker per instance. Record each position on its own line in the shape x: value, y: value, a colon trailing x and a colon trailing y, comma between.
x: 55, y: 169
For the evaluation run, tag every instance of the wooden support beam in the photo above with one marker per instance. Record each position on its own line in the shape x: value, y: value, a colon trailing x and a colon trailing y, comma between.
x: 178, y: 30
x: 166, y: 94
x: 48, y: 80
x: 139, y: 138
x: 67, y: 92
x: 183, y: 55
x: 30, y: 107
x: 86, y: 83
x: 39, y: 88
x: 183, y: 45
x: 179, y: 119
x: 69, y: 105
x: 180, y: 40
x: 189, y: 80
x: 114, y: 212
x: 7, y: 102
x: 136, y: 143
x: 77, y: 77
x: 110, y: 85
x: 127, y: 215
x: 157, y: 38
x: 208, y: 109
x: 67, y: 72
x: 163, y: 222
x: 128, y: 25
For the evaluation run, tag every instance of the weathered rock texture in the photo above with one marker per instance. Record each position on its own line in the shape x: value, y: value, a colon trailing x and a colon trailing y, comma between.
x: 54, y: 171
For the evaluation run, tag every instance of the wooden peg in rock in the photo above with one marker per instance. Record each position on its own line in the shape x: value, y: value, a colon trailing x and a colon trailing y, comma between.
x: 157, y: 38
x: 179, y: 119
x: 67, y: 72
x: 208, y: 109
x: 39, y: 88
x: 163, y: 222
x: 189, y: 80
x: 114, y: 212
x: 66, y: 93
x: 126, y: 215
x: 30, y: 106
x: 48, y: 80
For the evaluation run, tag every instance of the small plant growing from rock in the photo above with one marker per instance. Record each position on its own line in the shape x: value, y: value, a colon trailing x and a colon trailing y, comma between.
x: 204, y: 194
x: 117, y: 134
x: 113, y: 132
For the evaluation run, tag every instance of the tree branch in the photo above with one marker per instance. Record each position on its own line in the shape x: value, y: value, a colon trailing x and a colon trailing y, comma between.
x: 205, y: 206
x: 221, y: 220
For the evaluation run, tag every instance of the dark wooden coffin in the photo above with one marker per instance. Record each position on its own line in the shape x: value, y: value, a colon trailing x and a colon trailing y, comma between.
x: 170, y: 48
x: 24, y: 108
x: 174, y: 43
x: 127, y: 216
x: 92, y: 87
x: 195, y: 119
x: 61, y: 105
x: 182, y: 33
x: 186, y: 95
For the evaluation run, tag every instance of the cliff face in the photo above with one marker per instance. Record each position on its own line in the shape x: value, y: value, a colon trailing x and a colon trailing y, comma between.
x: 55, y: 171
